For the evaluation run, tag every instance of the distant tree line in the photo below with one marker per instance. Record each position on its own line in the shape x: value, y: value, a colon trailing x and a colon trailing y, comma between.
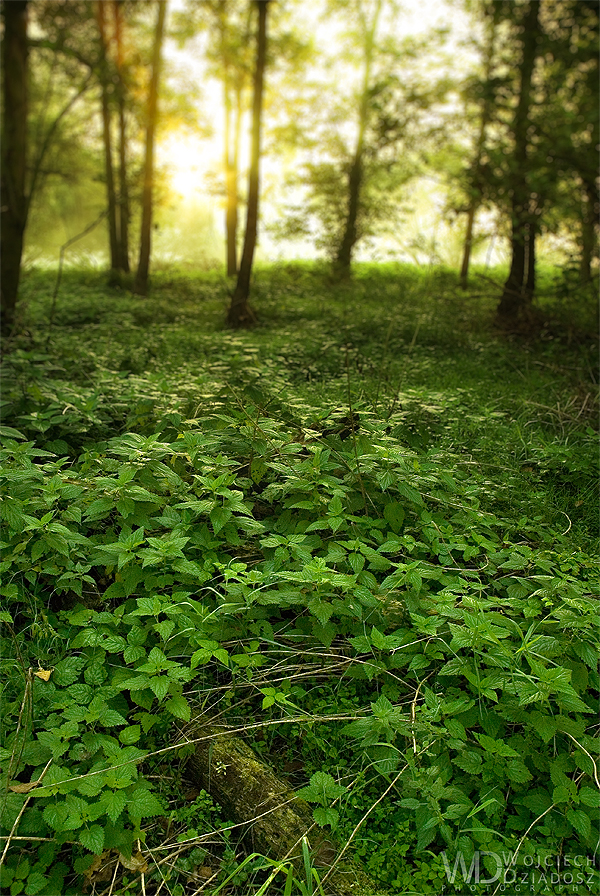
x: 518, y: 133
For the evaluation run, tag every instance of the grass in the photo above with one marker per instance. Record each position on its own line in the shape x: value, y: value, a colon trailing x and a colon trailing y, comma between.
x: 413, y: 349
x: 329, y: 420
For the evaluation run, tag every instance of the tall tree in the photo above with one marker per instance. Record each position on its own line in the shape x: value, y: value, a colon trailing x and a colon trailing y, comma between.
x: 105, y: 76
x: 519, y: 286
x: 14, y: 154
x: 240, y: 313
x: 368, y: 26
x: 485, y: 102
x: 123, y: 199
x: 141, y: 278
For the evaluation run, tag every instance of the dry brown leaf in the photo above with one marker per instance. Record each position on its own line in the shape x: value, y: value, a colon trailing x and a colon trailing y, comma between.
x: 23, y: 788
x: 206, y: 872
x: 137, y: 862
x: 44, y: 674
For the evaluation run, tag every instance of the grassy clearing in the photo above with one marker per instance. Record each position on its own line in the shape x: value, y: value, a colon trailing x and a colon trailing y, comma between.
x: 374, y: 504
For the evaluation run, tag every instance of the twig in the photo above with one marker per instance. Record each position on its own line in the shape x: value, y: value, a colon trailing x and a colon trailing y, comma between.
x: 590, y: 757
x: 114, y: 877
x: 413, y: 709
x: 361, y: 822
x: 143, y: 876
x: 26, y: 699
x: 61, y: 258
x: 20, y: 815
x: 520, y: 844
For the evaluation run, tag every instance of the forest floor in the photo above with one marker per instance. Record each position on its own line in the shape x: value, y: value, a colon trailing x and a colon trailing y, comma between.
x: 363, y: 533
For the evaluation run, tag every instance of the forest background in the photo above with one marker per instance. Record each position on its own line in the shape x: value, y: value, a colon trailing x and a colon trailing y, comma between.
x: 299, y: 447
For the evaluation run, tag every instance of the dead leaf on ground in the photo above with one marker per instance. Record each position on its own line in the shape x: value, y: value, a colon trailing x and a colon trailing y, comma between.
x: 137, y: 862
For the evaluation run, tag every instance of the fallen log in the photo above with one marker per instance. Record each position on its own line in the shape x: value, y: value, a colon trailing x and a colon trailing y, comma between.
x: 274, y: 821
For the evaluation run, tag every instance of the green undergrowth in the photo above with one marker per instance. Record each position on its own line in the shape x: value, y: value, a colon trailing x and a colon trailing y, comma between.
x: 363, y: 539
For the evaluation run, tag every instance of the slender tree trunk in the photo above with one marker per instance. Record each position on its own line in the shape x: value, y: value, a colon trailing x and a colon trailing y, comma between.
x: 464, y: 270
x: 589, y: 223
x: 240, y: 314
x: 231, y: 210
x: 516, y: 296
x: 107, y: 140
x: 355, y: 174
x: 486, y: 112
x: 529, y: 287
x: 141, y: 279
x: 14, y: 155
x: 123, y: 185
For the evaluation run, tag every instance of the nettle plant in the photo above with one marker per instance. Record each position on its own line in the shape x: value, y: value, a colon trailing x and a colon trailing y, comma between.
x: 151, y: 567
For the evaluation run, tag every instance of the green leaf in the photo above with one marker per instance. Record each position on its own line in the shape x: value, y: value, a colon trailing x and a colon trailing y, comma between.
x: 130, y: 735
x: 159, y: 684
x: 469, y: 761
x: 580, y: 821
x: 35, y: 883
x: 93, y: 838
x: 394, y: 514
x: 589, y: 796
x: 326, y: 816
x: 143, y: 803
x: 518, y: 772
x: 114, y: 802
x: 179, y: 707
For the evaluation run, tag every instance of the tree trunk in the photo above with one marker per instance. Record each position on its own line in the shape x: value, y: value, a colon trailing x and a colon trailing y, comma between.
x: 141, y: 279
x: 529, y: 287
x: 486, y: 113
x: 273, y: 820
x: 516, y: 297
x: 231, y: 209
x: 123, y: 185
x: 355, y: 174
x: 240, y: 314
x: 107, y: 141
x: 464, y: 270
x: 14, y: 155
x: 589, y: 223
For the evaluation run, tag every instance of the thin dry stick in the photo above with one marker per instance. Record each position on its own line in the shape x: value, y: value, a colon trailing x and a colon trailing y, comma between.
x: 142, y: 874
x: 335, y: 717
x: 520, y: 844
x: 361, y: 822
x: 590, y: 757
x: 114, y: 877
x: 25, y: 702
x: 413, y: 713
x: 20, y: 815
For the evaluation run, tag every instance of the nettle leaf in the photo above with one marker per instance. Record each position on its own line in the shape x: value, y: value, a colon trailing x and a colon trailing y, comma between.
x: 143, y: 803
x: 394, y: 514
x: 495, y: 746
x: 67, y: 671
x: 469, y: 761
x: 114, y: 802
x: 326, y: 816
x: 518, y: 772
x: 538, y: 801
x: 321, y: 610
x: 159, y: 684
x: 322, y: 789
x: 92, y: 838
x: 179, y: 707
x: 589, y: 797
x: 580, y: 821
